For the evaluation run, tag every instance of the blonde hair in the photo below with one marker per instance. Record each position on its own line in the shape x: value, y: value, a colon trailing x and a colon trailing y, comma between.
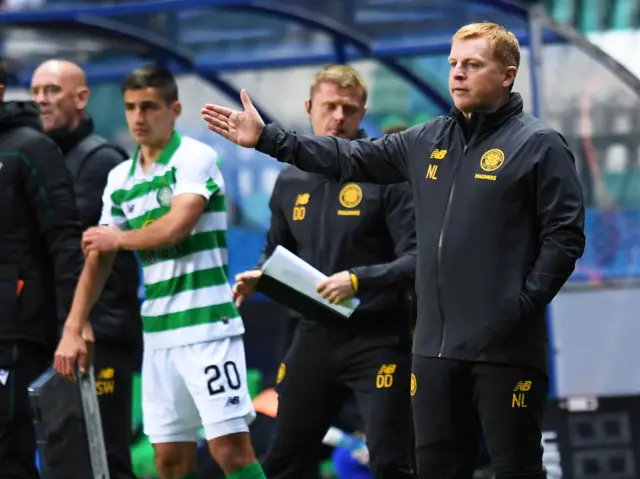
x: 504, y: 44
x: 344, y: 76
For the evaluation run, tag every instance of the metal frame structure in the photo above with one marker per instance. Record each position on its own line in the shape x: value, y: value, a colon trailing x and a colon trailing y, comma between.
x: 100, y: 21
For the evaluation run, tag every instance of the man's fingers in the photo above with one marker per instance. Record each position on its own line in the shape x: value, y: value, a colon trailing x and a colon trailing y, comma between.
x: 216, y: 117
x: 56, y: 363
x: 83, y: 361
x: 216, y: 109
x: 218, y: 131
x: 88, y: 336
x: 62, y: 365
x: 239, y: 300
x: 334, y: 297
x: 325, y: 292
x: 251, y: 275
x: 246, y: 101
x: 91, y: 232
x: 322, y: 286
x: 215, y: 122
x: 221, y: 129
x: 245, y: 275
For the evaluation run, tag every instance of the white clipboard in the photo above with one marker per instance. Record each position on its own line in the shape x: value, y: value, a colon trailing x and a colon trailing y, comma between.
x: 287, y: 268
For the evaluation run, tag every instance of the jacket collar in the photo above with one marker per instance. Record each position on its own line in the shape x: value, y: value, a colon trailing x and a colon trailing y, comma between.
x: 485, y: 121
x: 67, y: 140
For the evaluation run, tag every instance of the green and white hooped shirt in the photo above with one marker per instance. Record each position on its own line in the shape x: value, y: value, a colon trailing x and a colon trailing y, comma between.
x: 188, y: 298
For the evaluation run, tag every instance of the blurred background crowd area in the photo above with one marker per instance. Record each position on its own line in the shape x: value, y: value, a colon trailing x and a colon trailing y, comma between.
x: 585, y: 76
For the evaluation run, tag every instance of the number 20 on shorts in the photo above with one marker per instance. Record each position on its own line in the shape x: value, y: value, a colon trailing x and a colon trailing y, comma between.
x: 231, y: 374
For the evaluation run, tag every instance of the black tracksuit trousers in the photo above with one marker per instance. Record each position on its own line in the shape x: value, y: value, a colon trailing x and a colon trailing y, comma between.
x: 321, y: 369
x: 114, y: 369
x: 20, y: 364
x: 456, y: 401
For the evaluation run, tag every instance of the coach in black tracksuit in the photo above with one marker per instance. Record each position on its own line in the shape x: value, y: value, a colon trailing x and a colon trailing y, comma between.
x: 500, y: 221
x: 367, y: 230
x: 40, y: 260
x: 500, y: 224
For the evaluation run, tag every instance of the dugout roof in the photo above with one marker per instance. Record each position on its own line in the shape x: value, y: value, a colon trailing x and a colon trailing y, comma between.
x: 213, y: 38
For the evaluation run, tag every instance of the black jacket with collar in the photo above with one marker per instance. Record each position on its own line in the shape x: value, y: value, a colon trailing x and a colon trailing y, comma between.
x: 116, y: 316
x: 499, y: 217
x: 366, y: 229
x: 40, y: 253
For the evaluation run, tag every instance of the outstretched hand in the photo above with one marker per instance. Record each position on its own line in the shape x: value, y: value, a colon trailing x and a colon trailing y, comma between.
x: 241, y: 127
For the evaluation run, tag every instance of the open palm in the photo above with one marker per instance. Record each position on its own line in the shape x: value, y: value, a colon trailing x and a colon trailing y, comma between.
x: 241, y: 127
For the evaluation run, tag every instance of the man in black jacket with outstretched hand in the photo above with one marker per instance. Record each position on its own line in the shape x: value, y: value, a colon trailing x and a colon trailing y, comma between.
x: 60, y: 88
x: 362, y: 236
x: 40, y: 262
x: 500, y: 224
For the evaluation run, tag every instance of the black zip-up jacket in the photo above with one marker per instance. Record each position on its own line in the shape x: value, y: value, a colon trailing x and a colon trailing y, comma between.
x: 500, y: 223
x: 116, y: 316
x: 40, y: 252
x: 365, y: 229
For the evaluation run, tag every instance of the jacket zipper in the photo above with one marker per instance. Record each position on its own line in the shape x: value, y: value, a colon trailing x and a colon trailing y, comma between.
x: 447, y: 210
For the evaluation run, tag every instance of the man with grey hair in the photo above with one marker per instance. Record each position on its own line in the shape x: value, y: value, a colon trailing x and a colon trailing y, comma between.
x: 60, y: 88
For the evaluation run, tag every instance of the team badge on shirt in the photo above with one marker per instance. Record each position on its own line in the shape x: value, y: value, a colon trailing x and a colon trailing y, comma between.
x: 165, y: 196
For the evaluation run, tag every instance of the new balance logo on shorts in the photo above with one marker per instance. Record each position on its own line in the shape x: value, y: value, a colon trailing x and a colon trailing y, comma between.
x: 233, y: 401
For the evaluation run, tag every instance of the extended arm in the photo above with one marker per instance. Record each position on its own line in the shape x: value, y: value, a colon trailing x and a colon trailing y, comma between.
x: 560, y: 208
x: 369, y: 161
x: 398, y: 204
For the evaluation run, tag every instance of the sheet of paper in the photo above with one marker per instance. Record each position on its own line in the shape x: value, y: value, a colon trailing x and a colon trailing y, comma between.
x: 289, y: 269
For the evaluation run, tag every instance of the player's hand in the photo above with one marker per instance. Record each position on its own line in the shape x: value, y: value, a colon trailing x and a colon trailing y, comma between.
x: 73, y: 348
x: 337, y: 288
x: 241, y: 127
x: 245, y: 285
x: 101, y: 238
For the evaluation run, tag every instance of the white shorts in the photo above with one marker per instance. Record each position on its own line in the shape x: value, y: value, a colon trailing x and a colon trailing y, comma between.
x: 203, y: 385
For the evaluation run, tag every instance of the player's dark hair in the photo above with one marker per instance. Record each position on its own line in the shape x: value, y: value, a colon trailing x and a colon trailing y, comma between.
x: 152, y: 76
x: 4, y: 76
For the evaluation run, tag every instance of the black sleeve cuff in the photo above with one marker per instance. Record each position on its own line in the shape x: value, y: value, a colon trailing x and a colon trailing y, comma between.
x: 267, y: 141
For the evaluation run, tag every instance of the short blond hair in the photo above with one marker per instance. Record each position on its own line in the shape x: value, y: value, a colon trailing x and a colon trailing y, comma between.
x: 504, y: 43
x: 344, y: 76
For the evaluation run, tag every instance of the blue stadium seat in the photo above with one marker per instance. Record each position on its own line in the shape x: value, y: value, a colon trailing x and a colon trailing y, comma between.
x: 561, y: 10
x: 622, y: 17
x: 590, y: 16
